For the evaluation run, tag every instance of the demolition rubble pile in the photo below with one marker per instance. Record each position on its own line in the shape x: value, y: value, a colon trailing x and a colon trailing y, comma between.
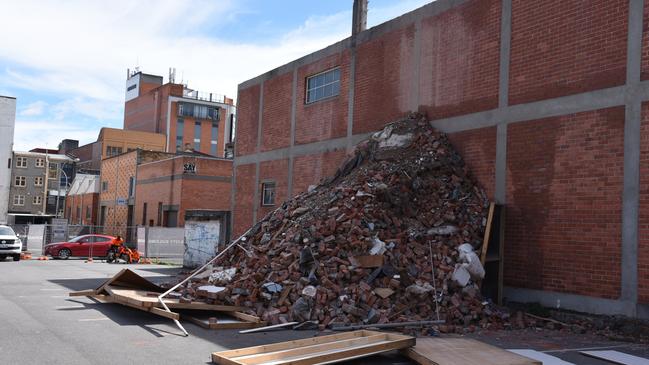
x: 356, y: 248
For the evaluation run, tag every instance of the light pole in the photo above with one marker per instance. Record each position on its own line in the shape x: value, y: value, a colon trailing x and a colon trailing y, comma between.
x: 59, y: 192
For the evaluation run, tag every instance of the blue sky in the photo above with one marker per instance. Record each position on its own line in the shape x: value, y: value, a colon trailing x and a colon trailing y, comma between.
x: 66, y: 61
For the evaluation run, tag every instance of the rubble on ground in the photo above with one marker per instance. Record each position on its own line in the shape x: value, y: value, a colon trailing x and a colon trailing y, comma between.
x: 357, y: 248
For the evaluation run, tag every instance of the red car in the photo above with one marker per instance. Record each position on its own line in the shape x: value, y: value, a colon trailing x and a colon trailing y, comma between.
x: 80, y: 246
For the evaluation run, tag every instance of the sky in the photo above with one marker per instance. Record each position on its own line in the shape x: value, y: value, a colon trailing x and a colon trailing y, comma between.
x: 66, y: 60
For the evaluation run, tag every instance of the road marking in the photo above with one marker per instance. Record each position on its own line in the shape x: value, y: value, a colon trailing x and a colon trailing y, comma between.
x: 586, y: 348
x: 52, y: 289
x: 58, y: 296
x: 94, y: 319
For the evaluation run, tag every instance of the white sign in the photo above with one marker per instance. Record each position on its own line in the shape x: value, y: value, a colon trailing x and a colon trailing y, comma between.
x: 59, y: 229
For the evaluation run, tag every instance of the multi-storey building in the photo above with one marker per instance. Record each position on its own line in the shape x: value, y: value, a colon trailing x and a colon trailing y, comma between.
x: 39, y: 183
x: 188, y: 118
x: 149, y: 188
x: 112, y: 142
x: 7, y: 121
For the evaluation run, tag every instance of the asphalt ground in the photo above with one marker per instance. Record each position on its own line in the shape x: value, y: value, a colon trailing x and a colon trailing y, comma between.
x: 41, y: 324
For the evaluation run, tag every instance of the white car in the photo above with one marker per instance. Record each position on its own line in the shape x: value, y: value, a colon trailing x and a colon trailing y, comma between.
x: 10, y: 244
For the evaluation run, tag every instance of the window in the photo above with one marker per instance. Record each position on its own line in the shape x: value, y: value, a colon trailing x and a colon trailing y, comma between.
x: 160, y: 214
x: 268, y: 193
x: 198, y: 111
x: 104, y: 185
x: 38, y: 181
x: 52, y: 173
x: 88, y: 212
x: 323, y: 85
x: 131, y: 186
x: 113, y: 151
x: 21, y: 162
x: 144, y: 207
x: 40, y: 162
x: 215, y: 137
x: 20, y: 181
x: 78, y: 213
x: 180, y: 130
x: 37, y: 200
x: 197, y: 136
x: 19, y: 200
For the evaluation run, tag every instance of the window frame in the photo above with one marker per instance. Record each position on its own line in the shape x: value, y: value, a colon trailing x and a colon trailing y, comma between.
x: 17, y: 202
x: 38, y: 178
x: 21, y: 165
x: 22, y: 179
x: 40, y: 200
x: 41, y: 164
x: 314, y: 76
x: 266, y: 187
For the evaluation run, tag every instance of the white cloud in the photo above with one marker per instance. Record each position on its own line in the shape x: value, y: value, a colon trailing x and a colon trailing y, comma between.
x: 78, y: 51
x: 33, y: 134
x: 34, y: 109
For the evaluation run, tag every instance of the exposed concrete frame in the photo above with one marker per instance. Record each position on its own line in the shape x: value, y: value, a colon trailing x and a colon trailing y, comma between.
x: 255, y: 198
x: 184, y: 177
x: 291, y: 158
x: 630, y: 96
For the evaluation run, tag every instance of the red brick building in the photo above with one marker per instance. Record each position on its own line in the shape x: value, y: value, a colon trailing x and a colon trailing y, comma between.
x: 547, y: 101
x: 148, y: 188
x: 202, y: 121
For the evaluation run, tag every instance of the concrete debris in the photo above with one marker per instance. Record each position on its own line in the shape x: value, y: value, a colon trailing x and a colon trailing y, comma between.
x: 402, y: 189
x: 222, y: 276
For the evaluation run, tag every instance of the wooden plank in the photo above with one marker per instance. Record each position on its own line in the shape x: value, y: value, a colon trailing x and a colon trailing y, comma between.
x: 318, y: 350
x: 140, y: 297
x: 300, y: 352
x: 245, y: 317
x: 275, y: 326
x: 164, y: 313
x: 224, y: 321
x: 100, y: 289
x: 289, y: 344
x: 487, y: 233
x: 367, y: 261
x: 451, y: 351
x: 83, y: 293
x: 542, y: 358
x: 616, y: 357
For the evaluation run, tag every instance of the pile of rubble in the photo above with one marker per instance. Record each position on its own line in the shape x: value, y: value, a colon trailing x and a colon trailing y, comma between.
x: 357, y: 248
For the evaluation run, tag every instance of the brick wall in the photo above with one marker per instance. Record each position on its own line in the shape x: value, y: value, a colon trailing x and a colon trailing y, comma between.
x: 84, y: 203
x: 276, y: 114
x: 478, y: 148
x: 563, y: 47
x: 643, y: 219
x: 327, y: 118
x: 459, y: 63
x: 311, y: 169
x: 276, y: 171
x: 116, y: 171
x: 383, y: 79
x: 564, y: 203
x: 247, y: 120
x: 244, y: 198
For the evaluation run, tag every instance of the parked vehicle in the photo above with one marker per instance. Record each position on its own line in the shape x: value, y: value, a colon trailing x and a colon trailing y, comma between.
x: 81, y: 246
x: 10, y: 244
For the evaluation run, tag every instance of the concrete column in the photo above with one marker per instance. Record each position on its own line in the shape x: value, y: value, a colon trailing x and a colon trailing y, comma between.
x: 289, y: 188
x: 350, y: 106
x: 500, y: 191
x: 255, y: 199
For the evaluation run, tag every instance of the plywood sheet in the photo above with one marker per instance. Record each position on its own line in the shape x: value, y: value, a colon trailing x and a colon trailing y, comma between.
x: 316, y: 350
x: 452, y: 351
x: 543, y: 358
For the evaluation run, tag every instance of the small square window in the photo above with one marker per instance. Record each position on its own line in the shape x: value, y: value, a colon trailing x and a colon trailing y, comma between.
x: 37, y: 200
x: 40, y: 162
x: 20, y: 181
x: 19, y: 200
x: 21, y: 162
x: 268, y: 193
x: 38, y: 181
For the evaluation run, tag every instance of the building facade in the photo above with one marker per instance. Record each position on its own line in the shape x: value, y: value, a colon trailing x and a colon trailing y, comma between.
x: 188, y: 118
x: 39, y: 184
x: 146, y: 188
x: 548, y: 102
x: 82, y: 201
x: 7, y: 122
x: 112, y: 142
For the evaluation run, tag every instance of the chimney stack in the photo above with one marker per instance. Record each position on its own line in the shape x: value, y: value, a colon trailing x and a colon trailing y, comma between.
x: 359, y: 20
